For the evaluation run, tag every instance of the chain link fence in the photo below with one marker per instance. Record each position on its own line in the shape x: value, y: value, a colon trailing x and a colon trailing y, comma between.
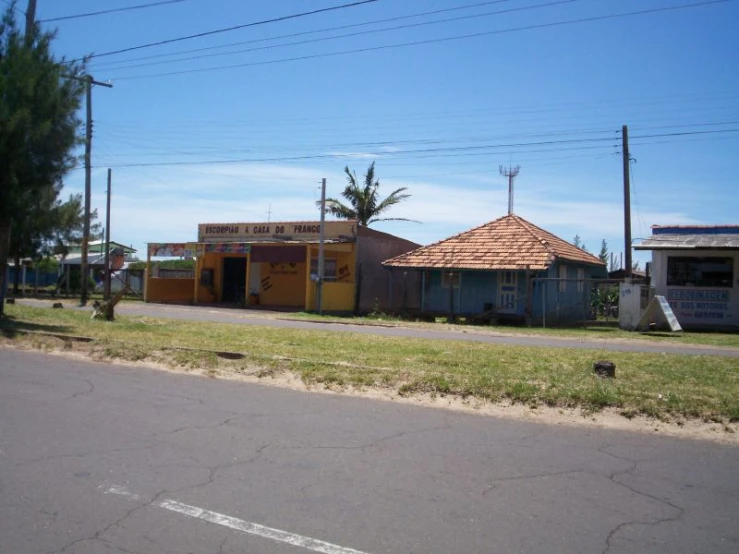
x: 574, y: 302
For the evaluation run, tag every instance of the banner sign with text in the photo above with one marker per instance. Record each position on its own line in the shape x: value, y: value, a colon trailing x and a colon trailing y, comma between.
x: 306, y: 231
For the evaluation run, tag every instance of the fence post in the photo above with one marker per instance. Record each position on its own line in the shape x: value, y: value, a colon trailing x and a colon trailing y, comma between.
x: 544, y: 304
x: 529, y: 297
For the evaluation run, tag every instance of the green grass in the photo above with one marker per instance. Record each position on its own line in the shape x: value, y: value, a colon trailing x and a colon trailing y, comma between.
x: 661, y: 385
x: 589, y: 332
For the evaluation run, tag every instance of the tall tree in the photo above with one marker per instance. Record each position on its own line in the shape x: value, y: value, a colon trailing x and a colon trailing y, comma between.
x: 38, y: 126
x: 603, y: 255
x: 577, y: 241
x: 364, y: 203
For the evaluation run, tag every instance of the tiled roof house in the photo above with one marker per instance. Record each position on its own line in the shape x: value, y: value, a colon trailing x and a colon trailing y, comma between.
x: 506, y: 266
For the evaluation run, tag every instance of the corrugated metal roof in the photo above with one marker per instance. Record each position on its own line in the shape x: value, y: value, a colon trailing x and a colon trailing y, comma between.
x: 507, y: 243
x: 690, y: 242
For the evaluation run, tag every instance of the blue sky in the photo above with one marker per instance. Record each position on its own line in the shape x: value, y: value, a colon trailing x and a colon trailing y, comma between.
x: 437, y: 117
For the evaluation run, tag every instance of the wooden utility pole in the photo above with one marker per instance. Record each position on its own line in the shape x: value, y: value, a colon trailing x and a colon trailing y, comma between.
x: 627, y: 200
x: 106, y: 293
x: 30, y: 19
x: 89, y: 82
x: 321, y: 261
x: 511, y: 173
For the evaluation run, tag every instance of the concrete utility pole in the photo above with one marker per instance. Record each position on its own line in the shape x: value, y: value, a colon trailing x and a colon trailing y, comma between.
x: 106, y: 293
x: 89, y: 82
x: 627, y: 200
x: 511, y: 173
x: 319, y: 282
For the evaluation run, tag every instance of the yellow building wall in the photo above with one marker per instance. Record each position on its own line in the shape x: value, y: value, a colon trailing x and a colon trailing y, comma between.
x: 338, y: 296
x: 161, y: 289
x: 282, y: 284
x: 209, y: 293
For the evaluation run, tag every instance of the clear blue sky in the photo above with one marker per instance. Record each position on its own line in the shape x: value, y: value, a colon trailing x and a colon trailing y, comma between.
x: 438, y: 117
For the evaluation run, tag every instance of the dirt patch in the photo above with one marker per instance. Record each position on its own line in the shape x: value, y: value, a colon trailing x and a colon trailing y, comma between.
x: 727, y: 433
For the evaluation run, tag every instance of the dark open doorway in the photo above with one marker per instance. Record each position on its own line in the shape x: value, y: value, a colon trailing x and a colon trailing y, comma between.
x: 234, y: 279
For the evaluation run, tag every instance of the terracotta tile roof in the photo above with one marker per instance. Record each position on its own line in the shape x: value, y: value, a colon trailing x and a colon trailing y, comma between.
x: 509, y: 242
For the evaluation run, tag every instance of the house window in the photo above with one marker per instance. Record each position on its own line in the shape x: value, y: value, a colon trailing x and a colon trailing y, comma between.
x: 450, y: 278
x: 509, y: 278
x: 562, y: 285
x: 580, y: 279
x: 329, y: 268
x: 683, y: 271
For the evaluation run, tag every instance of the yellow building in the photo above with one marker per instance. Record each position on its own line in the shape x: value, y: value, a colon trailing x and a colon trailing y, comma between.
x: 276, y: 265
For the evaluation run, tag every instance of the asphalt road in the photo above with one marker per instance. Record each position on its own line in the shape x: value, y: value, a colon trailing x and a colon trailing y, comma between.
x: 98, y: 458
x: 247, y: 317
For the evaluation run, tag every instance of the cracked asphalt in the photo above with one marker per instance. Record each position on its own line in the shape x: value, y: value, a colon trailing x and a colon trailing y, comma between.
x: 367, y: 475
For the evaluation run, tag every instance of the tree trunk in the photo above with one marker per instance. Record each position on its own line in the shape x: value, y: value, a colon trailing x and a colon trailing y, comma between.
x: 4, y: 249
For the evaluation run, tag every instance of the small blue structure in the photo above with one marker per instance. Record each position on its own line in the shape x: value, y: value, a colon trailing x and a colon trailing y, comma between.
x: 507, y: 269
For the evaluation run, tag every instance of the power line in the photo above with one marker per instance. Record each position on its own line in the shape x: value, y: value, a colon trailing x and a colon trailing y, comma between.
x: 113, y: 10
x: 434, y: 151
x: 441, y: 152
x: 234, y: 28
x: 315, y: 31
x: 432, y: 41
x: 355, y: 34
x: 10, y: 4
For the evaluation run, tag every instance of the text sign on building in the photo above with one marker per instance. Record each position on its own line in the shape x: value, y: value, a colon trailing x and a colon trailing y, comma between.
x: 298, y: 231
x: 700, y: 304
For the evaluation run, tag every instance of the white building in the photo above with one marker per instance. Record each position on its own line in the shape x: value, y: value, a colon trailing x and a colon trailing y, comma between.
x: 696, y: 267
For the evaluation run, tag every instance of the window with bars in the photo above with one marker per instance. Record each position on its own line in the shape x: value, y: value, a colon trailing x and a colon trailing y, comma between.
x: 329, y: 268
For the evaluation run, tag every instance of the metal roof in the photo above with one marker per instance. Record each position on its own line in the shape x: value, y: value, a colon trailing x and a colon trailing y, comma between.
x: 682, y: 241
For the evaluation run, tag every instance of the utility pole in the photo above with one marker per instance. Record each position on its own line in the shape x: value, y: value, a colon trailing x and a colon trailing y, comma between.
x: 30, y: 19
x: 511, y: 173
x: 106, y: 290
x: 89, y: 82
x: 627, y: 200
x: 319, y: 282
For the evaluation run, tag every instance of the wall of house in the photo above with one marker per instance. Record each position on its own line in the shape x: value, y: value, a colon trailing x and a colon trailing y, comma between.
x: 567, y: 300
x: 281, y: 284
x: 698, y: 306
x: 338, y: 294
x: 160, y: 289
x: 380, y: 288
x: 478, y: 292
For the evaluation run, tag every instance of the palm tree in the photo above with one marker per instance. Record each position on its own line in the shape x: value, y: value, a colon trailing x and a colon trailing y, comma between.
x: 364, y: 205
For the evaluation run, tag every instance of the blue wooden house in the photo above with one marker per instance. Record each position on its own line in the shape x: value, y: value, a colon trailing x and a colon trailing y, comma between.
x: 508, y: 269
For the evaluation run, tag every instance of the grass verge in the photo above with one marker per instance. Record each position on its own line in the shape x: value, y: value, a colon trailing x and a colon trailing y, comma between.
x: 665, y: 386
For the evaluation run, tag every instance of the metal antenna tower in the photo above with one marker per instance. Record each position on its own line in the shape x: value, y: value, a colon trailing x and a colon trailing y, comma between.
x: 511, y: 173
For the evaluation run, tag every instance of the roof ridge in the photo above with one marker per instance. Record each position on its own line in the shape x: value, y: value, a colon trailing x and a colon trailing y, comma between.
x: 550, y: 248
x: 527, y: 225
x: 453, y: 236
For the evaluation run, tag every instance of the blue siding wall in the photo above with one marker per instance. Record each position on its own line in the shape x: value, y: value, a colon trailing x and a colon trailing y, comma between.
x: 569, y: 301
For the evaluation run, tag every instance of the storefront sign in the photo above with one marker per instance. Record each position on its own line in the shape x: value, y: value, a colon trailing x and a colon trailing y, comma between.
x: 700, y: 305
x: 298, y: 231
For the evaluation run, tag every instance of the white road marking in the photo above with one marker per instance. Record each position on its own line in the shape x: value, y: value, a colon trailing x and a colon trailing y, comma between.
x: 240, y: 525
x: 121, y: 491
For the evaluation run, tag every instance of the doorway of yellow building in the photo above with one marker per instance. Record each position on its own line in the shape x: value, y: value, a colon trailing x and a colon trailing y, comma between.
x: 234, y: 280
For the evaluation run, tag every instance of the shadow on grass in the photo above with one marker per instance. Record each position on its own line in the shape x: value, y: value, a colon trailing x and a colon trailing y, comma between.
x: 10, y: 327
